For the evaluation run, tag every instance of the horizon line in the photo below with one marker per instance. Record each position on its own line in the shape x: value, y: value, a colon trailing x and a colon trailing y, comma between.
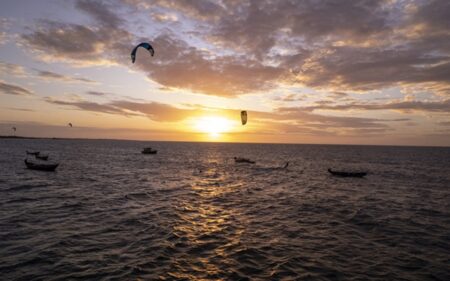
x: 220, y: 142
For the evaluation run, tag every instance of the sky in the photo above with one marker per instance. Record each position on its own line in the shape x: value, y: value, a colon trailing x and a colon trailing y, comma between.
x: 322, y: 72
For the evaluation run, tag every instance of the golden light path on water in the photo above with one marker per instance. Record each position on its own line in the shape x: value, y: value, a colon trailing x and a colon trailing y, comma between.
x: 202, y: 222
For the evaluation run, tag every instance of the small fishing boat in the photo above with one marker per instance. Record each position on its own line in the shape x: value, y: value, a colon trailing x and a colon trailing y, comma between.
x: 243, y: 160
x: 149, y: 150
x: 40, y: 166
x: 41, y: 157
x: 347, y: 174
x: 33, y: 152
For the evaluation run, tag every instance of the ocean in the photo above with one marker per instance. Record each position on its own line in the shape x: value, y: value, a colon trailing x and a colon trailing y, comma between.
x: 191, y: 213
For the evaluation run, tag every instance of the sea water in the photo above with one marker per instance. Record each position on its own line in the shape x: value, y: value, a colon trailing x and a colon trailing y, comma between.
x: 191, y: 213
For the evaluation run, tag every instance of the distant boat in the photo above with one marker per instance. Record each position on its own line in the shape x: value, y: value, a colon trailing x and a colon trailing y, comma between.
x: 347, y: 174
x: 40, y: 167
x: 33, y: 152
x: 41, y: 157
x: 243, y: 160
x: 149, y: 150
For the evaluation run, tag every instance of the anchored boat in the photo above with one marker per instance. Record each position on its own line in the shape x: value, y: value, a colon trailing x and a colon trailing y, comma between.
x: 347, y: 174
x: 243, y: 160
x: 149, y: 150
x: 40, y: 166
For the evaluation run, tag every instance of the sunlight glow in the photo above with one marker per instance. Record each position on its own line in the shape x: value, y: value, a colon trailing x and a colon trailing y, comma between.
x: 213, y: 125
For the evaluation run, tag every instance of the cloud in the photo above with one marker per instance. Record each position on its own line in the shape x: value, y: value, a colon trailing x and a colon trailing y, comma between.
x: 202, y: 10
x: 95, y: 93
x: 283, y: 120
x: 12, y: 69
x: 153, y: 110
x: 407, y: 106
x: 176, y: 64
x: 56, y: 76
x: 20, y: 109
x: 291, y: 97
x: 259, y: 26
x: 10, y: 89
x: 76, y: 43
x: 247, y: 47
x: 338, y: 95
x: 101, y: 12
x: 5, y: 24
x: 90, y: 106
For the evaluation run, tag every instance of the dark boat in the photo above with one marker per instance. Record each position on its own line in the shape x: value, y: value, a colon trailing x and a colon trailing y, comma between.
x: 41, y: 157
x: 40, y: 167
x: 33, y: 153
x: 243, y: 160
x: 347, y: 174
x: 149, y: 150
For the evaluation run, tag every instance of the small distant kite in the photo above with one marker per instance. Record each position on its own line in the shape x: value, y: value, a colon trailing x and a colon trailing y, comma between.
x: 244, y: 117
x: 70, y: 124
x: 144, y: 45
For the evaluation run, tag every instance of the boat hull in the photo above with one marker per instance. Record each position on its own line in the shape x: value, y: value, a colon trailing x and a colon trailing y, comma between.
x: 347, y: 174
x: 41, y: 167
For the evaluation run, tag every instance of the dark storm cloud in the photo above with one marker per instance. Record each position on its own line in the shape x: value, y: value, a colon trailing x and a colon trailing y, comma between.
x: 56, y: 76
x: 10, y: 89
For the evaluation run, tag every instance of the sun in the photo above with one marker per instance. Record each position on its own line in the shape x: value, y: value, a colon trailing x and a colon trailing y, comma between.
x: 213, y: 125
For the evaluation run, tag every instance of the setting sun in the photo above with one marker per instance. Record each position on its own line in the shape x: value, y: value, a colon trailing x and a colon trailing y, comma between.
x: 213, y: 125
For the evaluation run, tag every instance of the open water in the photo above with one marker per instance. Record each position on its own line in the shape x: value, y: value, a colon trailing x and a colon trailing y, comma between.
x: 190, y: 213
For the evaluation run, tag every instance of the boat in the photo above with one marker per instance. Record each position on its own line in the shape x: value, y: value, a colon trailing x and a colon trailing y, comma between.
x: 40, y: 166
x: 33, y: 152
x: 347, y: 174
x: 149, y: 150
x: 243, y: 160
x: 41, y: 157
